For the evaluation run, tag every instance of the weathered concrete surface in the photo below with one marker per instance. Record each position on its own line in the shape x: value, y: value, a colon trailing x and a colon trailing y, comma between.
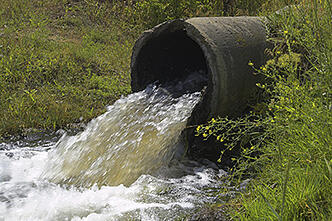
x: 218, y: 47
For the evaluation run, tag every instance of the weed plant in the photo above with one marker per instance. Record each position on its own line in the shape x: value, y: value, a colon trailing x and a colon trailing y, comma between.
x: 61, y: 62
x: 285, y: 141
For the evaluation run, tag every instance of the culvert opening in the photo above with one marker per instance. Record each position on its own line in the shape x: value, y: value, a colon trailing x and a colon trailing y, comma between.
x: 217, y: 49
x: 171, y: 57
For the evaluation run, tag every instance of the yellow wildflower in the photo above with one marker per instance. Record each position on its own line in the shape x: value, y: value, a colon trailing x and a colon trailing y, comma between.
x: 219, y: 138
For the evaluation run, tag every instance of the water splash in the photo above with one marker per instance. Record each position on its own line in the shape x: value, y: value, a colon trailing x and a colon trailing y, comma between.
x: 137, y: 135
x: 25, y: 197
x: 133, y: 143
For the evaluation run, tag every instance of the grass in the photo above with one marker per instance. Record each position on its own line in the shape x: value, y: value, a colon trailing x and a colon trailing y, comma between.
x: 63, y: 61
x: 286, y: 145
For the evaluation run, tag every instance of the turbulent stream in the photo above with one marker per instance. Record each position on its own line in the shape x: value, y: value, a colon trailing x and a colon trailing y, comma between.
x: 127, y: 164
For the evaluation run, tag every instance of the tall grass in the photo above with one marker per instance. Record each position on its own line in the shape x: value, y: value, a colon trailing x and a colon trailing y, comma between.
x: 285, y: 141
x: 61, y: 62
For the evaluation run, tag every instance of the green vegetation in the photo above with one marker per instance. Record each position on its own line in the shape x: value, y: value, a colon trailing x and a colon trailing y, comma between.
x: 60, y: 62
x: 285, y: 141
x: 63, y: 61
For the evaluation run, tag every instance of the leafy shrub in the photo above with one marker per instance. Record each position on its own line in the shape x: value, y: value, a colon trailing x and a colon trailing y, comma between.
x: 292, y: 154
x: 153, y: 12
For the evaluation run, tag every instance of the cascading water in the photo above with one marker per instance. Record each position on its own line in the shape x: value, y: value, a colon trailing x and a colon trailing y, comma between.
x: 121, y: 167
x: 137, y: 135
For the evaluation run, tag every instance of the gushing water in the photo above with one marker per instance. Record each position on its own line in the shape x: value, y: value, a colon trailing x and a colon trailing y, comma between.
x: 122, y: 167
x: 137, y: 135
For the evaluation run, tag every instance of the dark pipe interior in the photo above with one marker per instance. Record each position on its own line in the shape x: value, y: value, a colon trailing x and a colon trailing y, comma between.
x: 169, y: 57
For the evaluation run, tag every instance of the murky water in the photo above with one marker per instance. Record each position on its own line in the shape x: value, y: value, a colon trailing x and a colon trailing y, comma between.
x: 126, y: 165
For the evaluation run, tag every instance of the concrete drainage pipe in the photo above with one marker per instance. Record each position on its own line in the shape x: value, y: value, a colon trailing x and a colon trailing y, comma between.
x: 218, y: 48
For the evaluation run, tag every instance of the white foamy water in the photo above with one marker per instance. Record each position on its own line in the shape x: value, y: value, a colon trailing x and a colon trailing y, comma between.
x: 137, y: 135
x: 122, y: 167
x: 24, y: 196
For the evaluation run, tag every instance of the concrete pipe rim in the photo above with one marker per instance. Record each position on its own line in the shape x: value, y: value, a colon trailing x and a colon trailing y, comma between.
x: 204, y: 109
